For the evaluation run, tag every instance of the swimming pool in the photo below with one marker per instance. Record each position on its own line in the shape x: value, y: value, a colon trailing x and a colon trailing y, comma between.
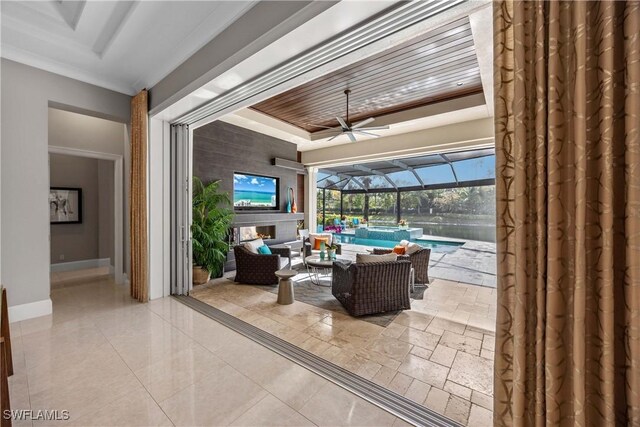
x: 441, y: 246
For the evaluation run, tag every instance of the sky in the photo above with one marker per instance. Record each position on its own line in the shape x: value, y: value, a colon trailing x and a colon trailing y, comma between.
x: 254, y: 183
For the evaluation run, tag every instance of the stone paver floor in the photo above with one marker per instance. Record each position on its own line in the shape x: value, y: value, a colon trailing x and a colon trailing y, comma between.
x: 438, y: 354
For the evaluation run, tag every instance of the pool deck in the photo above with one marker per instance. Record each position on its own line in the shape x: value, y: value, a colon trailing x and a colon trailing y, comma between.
x: 474, y: 262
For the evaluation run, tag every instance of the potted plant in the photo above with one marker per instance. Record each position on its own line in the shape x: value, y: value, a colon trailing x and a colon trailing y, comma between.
x: 331, y: 251
x: 403, y: 224
x: 211, y: 220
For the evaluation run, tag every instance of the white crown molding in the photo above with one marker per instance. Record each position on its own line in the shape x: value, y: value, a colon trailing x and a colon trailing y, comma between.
x: 27, y: 58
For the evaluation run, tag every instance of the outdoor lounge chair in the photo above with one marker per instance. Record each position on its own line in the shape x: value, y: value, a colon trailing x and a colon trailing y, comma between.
x: 419, y: 262
x: 259, y: 269
x: 373, y: 287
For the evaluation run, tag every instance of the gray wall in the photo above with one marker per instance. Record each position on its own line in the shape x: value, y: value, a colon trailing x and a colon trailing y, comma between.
x: 76, y: 242
x: 27, y: 93
x: 220, y: 149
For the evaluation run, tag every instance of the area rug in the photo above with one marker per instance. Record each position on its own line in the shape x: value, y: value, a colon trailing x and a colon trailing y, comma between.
x: 320, y: 296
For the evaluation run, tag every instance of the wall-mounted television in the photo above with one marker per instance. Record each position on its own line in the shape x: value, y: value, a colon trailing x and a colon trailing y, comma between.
x: 255, y: 192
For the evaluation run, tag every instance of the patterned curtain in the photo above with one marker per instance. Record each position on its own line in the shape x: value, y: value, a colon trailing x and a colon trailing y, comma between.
x: 567, y: 114
x: 138, y: 197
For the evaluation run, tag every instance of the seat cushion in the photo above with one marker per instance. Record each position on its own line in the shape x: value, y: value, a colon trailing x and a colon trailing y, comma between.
x: 412, y: 248
x: 253, y: 245
x: 370, y: 258
x: 312, y: 238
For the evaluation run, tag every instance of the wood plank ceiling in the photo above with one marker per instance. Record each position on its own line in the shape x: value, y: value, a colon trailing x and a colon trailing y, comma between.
x: 437, y: 66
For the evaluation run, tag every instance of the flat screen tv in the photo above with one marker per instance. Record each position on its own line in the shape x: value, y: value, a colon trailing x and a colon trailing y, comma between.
x: 254, y: 192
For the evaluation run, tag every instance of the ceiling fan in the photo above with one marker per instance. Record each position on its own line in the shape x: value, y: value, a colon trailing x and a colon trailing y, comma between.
x: 358, y: 128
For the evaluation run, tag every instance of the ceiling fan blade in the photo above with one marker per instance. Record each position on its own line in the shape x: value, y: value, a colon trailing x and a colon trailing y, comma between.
x: 365, y: 133
x: 342, y: 123
x: 362, y: 123
x: 375, y: 128
x: 351, y: 137
x: 334, y: 137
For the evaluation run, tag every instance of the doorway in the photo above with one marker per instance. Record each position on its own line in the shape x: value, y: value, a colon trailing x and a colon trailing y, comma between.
x: 86, y: 214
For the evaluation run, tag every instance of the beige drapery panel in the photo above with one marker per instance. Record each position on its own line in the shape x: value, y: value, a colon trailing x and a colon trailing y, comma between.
x: 567, y: 113
x: 138, y: 197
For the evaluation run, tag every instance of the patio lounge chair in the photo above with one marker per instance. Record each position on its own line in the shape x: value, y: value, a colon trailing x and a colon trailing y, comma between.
x: 309, y: 244
x: 373, y: 287
x: 419, y: 262
x: 259, y: 269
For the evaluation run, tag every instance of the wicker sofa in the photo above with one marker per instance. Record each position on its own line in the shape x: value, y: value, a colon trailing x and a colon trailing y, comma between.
x: 258, y: 269
x: 419, y: 262
x: 373, y: 287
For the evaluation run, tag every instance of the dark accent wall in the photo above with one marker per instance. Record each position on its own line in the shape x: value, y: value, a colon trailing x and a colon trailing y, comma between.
x: 220, y: 149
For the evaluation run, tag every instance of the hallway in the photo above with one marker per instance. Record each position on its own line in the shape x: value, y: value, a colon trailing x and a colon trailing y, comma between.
x: 109, y: 360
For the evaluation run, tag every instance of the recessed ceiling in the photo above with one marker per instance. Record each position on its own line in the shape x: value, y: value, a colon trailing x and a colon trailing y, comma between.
x: 121, y: 45
x: 437, y: 66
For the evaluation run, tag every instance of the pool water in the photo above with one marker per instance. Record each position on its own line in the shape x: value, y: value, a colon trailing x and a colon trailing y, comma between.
x: 435, y: 245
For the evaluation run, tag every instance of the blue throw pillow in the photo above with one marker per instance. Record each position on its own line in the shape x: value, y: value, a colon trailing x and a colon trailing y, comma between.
x: 264, y: 250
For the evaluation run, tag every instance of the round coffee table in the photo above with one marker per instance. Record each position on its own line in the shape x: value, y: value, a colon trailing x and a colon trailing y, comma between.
x: 285, y: 286
x: 320, y: 270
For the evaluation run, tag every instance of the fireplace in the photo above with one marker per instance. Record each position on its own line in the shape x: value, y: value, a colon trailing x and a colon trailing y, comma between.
x: 243, y: 234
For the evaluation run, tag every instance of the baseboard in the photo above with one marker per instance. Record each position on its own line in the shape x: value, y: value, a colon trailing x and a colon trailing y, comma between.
x: 21, y: 312
x: 81, y: 265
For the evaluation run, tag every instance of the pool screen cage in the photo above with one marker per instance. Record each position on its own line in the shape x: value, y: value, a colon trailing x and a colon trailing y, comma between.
x: 471, y: 168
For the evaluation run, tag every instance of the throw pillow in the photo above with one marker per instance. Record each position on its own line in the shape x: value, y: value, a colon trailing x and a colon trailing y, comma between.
x: 399, y: 249
x: 314, y: 236
x: 412, y: 248
x: 264, y: 250
x: 370, y: 258
x: 318, y: 241
x: 253, y: 245
x: 404, y: 243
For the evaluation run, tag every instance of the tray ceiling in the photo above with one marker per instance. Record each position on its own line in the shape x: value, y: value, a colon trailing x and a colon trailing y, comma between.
x: 121, y: 45
x: 437, y: 66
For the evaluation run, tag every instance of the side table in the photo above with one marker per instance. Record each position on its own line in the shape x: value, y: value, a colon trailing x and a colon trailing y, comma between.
x: 285, y: 286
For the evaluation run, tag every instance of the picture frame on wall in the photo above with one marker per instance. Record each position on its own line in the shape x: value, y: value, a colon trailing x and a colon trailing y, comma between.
x: 65, y: 205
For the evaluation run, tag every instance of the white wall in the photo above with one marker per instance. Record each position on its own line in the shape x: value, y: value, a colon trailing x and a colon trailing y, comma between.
x: 27, y: 94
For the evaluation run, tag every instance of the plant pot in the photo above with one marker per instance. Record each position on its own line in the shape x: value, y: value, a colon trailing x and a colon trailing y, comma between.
x: 331, y: 254
x: 200, y: 275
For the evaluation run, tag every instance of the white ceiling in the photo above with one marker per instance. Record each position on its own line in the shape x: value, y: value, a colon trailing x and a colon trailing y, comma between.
x: 121, y: 45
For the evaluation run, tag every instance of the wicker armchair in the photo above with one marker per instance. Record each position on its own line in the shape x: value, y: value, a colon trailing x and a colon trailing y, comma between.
x: 308, y: 250
x: 258, y: 269
x: 373, y: 287
x: 419, y: 262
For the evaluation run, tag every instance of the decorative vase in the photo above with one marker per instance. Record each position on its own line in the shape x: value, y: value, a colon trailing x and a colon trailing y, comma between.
x: 322, y: 246
x: 294, y: 208
x: 288, y: 200
x: 331, y: 254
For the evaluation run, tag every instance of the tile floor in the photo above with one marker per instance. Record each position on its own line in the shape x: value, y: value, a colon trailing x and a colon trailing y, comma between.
x: 109, y: 360
x: 439, y: 354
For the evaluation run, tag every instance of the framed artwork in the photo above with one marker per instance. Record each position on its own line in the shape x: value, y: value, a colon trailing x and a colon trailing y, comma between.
x: 65, y: 205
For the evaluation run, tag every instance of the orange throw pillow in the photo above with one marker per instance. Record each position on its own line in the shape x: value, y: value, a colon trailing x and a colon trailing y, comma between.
x: 400, y: 250
x: 318, y: 240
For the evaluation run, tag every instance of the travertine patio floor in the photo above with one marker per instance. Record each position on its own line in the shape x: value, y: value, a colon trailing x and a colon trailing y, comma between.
x: 439, y: 354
